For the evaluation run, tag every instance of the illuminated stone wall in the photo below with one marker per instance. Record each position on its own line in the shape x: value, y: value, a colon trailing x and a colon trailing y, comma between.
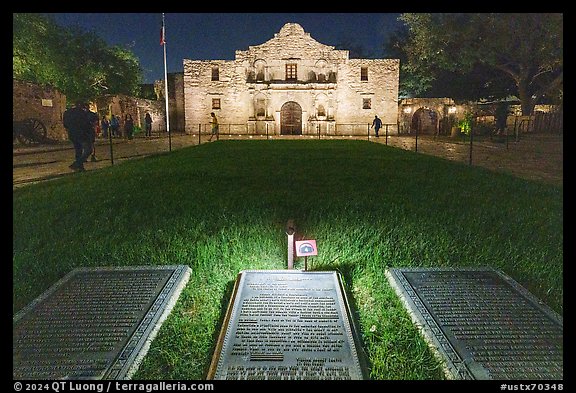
x: 327, y: 86
x: 429, y: 115
x: 122, y: 105
x: 45, y: 103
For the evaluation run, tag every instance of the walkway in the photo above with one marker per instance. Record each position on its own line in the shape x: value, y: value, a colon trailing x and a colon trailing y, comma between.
x: 535, y: 157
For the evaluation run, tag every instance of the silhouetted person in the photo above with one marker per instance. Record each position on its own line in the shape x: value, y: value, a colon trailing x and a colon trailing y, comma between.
x: 78, y: 123
x: 128, y: 126
x: 377, y: 124
x: 501, y: 116
x: 104, y: 125
x: 148, y: 121
x: 115, y: 126
x: 93, y: 117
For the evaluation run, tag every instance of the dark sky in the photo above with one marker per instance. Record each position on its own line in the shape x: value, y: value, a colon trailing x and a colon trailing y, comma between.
x: 216, y: 36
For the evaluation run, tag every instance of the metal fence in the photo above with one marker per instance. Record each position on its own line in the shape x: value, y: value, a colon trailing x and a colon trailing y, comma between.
x: 540, y: 122
x: 268, y: 129
x: 472, y: 147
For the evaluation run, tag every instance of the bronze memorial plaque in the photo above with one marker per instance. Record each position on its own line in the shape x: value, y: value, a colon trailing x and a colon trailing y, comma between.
x: 287, y: 325
x: 95, y: 323
x: 482, y: 323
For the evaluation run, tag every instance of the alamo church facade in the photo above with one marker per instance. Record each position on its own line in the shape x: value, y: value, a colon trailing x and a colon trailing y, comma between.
x: 291, y: 85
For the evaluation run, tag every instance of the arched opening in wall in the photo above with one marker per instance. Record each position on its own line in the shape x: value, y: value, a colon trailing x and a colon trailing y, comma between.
x: 424, y: 121
x: 291, y: 119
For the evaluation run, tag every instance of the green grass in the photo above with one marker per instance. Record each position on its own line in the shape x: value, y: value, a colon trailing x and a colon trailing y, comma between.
x: 222, y: 207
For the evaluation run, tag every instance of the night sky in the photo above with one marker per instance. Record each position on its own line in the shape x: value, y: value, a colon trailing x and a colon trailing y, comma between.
x: 216, y: 36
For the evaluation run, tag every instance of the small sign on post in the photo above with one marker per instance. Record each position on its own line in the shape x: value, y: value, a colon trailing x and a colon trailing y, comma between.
x: 306, y: 248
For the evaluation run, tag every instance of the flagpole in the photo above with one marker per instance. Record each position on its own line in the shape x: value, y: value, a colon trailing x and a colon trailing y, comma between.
x: 166, y: 86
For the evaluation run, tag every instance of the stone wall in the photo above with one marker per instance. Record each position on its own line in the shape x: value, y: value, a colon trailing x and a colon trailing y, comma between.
x: 175, y: 99
x: 440, y: 115
x: 429, y: 115
x: 30, y: 100
x: 137, y: 107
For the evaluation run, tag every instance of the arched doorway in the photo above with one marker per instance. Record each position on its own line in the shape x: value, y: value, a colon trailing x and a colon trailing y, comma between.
x: 425, y: 121
x: 291, y: 119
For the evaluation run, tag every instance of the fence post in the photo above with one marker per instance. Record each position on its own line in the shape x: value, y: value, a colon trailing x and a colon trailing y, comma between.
x: 199, y: 133
x: 386, y: 134
x: 266, y: 130
x: 169, y: 139
x: 111, y: 150
x: 368, y: 132
x: 471, y: 139
x: 416, y: 146
x: 318, y: 126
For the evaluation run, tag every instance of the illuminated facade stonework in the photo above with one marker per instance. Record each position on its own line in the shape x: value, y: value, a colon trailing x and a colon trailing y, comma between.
x: 291, y: 85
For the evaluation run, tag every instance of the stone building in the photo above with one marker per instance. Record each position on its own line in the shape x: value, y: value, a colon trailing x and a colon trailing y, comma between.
x: 440, y: 116
x: 123, y: 105
x: 291, y: 85
x: 42, y: 102
x: 175, y: 99
x: 430, y: 116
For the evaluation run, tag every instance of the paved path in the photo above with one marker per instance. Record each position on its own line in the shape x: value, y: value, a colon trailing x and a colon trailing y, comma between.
x: 535, y: 157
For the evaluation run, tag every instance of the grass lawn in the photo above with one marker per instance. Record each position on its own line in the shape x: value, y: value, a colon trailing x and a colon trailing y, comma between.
x: 222, y: 207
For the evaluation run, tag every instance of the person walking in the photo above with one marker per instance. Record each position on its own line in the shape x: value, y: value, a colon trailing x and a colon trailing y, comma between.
x: 148, y: 121
x: 501, y: 116
x: 104, y: 125
x: 78, y: 125
x: 215, y: 126
x: 128, y: 126
x: 93, y: 118
x: 115, y: 126
x: 377, y: 124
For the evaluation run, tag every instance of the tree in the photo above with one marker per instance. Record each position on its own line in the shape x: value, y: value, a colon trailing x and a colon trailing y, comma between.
x: 78, y: 63
x: 411, y: 83
x: 478, y: 82
x: 35, y: 42
x: 525, y: 49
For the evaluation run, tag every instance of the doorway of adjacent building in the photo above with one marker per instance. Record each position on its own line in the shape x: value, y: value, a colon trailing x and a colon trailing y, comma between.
x: 291, y: 119
x: 425, y: 121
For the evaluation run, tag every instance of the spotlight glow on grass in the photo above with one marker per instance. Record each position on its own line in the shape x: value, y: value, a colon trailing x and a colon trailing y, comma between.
x: 221, y: 208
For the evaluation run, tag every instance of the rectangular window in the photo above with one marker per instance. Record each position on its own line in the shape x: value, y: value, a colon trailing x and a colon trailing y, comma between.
x: 215, y: 73
x: 291, y: 72
x: 215, y: 103
x: 366, y: 103
x: 364, y: 73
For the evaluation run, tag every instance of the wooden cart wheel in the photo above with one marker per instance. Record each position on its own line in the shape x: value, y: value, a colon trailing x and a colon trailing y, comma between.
x: 37, y: 130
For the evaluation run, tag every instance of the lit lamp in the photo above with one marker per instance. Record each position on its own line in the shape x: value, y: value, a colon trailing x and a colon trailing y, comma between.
x: 452, y: 110
x: 408, y: 109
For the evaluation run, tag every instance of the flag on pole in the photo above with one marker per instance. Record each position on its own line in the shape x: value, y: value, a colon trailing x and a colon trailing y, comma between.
x: 162, y: 36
